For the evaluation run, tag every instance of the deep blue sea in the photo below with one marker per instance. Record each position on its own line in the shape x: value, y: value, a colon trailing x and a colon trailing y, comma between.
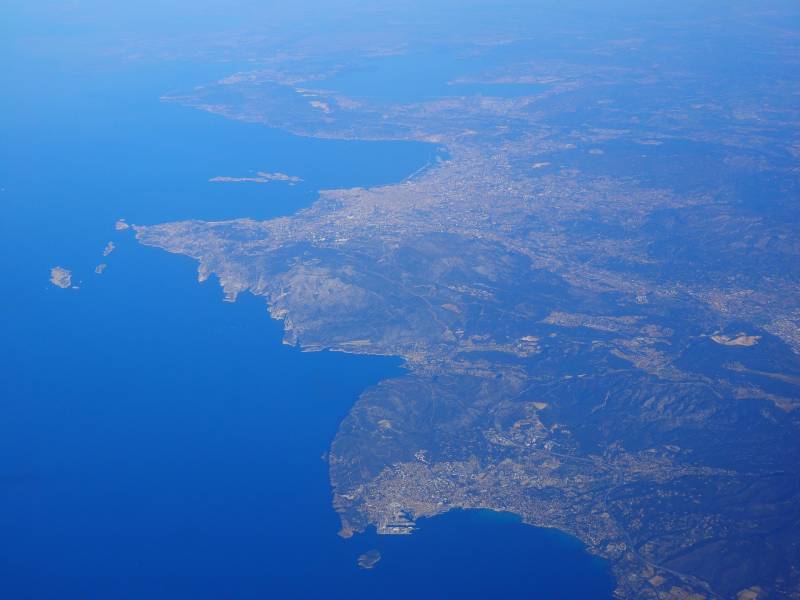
x: 156, y: 442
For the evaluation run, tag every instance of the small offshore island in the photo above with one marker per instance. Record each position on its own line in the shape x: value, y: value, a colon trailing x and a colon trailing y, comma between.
x: 369, y: 559
x: 61, y: 277
x: 260, y: 177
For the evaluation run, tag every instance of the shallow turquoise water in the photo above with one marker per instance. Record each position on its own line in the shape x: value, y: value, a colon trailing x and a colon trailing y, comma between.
x: 156, y: 442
